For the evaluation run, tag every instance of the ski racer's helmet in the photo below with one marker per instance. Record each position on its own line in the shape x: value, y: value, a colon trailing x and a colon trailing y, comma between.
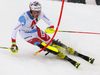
x: 34, y: 6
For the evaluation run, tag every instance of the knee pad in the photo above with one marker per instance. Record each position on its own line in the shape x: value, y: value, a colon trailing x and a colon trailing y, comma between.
x: 70, y: 50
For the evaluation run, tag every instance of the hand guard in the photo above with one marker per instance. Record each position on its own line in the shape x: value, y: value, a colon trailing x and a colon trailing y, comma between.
x: 50, y: 30
x: 14, y: 49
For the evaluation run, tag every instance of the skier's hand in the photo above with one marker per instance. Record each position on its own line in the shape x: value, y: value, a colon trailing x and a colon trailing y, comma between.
x: 14, y: 49
x: 50, y: 29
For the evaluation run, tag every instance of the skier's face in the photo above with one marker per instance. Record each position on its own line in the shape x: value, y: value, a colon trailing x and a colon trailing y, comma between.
x: 35, y: 14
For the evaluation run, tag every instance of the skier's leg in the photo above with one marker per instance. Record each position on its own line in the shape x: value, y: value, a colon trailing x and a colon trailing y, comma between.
x: 61, y: 55
x: 70, y: 50
x: 46, y: 38
x: 61, y: 46
x: 41, y: 41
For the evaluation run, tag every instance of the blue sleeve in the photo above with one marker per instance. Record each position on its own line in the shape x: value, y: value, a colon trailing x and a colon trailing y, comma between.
x: 22, y: 20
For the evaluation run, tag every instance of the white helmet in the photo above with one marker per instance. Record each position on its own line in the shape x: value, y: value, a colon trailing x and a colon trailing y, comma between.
x: 35, y: 6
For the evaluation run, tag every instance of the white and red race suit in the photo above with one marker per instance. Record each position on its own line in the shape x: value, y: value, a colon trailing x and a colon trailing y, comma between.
x: 28, y: 29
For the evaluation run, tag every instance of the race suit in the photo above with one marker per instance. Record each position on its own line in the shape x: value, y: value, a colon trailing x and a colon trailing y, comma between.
x: 28, y: 29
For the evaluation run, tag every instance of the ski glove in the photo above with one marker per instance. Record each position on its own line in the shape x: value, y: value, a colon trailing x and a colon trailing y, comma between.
x: 14, y: 49
x: 50, y: 29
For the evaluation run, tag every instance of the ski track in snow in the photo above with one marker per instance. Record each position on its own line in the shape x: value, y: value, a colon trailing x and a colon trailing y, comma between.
x: 76, y: 17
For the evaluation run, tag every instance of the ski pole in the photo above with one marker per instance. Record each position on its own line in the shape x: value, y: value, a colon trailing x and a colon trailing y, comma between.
x: 78, y: 32
x: 9, y: 49
x: 5, y: 48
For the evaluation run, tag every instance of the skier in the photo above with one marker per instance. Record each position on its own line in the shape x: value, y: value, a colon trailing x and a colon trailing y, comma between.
x: 30, y: 32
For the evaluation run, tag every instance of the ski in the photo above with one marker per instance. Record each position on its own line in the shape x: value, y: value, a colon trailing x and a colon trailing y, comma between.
x: 74, y: 63
x: 88, y: 59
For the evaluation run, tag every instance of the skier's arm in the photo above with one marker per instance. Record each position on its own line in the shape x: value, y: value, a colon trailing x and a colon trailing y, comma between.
x: 47, y: 20
x: 21, y: 22
x: 50, y: 29
x: 14, y: 33
x: 14, y: 48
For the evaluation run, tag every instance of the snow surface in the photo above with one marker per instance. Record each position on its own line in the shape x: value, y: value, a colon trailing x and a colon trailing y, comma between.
x: 76, y: 17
